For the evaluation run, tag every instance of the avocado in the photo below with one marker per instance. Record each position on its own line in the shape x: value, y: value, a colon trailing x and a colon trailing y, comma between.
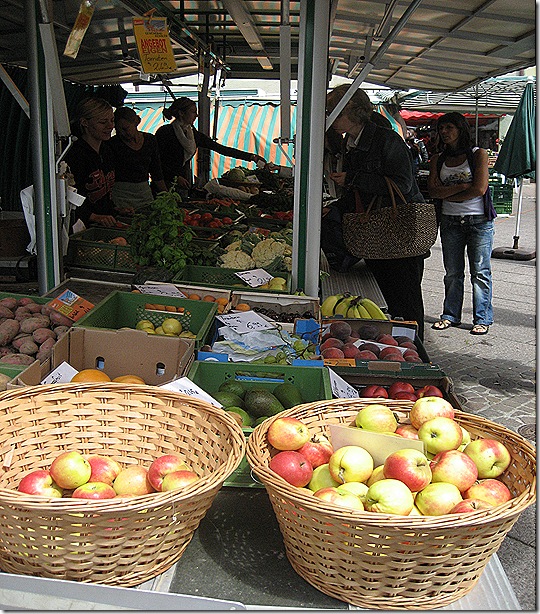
x: 228, y: 399
x: 247, y: 420
x: 288, y: 395
x: 234, y: 387
x: 260, y: 402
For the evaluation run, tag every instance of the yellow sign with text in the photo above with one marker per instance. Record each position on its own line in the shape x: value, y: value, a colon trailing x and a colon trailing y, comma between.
x: 154, y: 45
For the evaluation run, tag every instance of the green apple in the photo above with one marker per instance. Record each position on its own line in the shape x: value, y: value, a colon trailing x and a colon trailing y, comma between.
x: 440, y: 434
x: 321, y: 478
x: 437, y: 498
x: 351, y: 464
x: 355, y: 488
x: 378, y: 418
x: 171, y: 326
x: 70, y: 470
x: 389, y: 496
x: 466, y: 439
x: 336, y: 497
x: 378, y: 474
x: 490, y: 456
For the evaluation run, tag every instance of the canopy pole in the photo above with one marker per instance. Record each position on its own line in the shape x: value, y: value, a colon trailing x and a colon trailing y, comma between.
x: 518, y: 216
x: 285, y: 71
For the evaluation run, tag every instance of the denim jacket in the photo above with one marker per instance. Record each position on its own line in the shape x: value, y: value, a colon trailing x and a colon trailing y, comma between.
x: 380, y: 152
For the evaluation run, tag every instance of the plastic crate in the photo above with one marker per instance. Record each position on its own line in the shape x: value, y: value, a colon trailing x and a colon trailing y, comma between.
x: 125, y: 309
x: 313, y: 383
x: 503, y: 193
x: 217, y: 277
x: 41, y: 300
x: 91, y: 249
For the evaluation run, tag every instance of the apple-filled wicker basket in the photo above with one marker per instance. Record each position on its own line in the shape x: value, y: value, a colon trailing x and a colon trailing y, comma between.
x: 122, y: 541
x: 385, y: 561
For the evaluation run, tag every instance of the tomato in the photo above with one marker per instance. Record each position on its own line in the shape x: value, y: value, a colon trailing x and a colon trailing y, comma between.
x: 207, y: 217
x: 227, y: 220
x: 195, y: 216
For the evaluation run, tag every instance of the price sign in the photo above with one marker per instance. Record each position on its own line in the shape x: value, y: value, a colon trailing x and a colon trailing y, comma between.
x: 403, y: 331
x: 255, y: 277
x: 70, y: 305
x: 185, y: 386
x: 61, y: 375
x: 154, y: 45
x: 246, y: 322
x: 161, y: 290
x: 340, y: 388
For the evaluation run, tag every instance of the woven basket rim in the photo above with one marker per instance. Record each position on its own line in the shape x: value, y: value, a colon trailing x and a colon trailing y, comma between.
x: 304, y: 498
x: 139, y: 502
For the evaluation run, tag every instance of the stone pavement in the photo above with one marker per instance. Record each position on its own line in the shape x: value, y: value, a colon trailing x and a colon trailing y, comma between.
x: 495, y: 375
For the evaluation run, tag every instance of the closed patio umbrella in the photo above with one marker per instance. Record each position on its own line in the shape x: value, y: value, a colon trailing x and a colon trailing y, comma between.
x: 517, y: 160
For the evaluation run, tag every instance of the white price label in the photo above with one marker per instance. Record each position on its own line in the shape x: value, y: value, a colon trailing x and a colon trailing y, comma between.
x: 403, y: 331
x: 340, y: 388
x: 161, y: 290
x: 185, y: 386
x: 255, y: 277
x: 61, y: 375
x: 246, y: 322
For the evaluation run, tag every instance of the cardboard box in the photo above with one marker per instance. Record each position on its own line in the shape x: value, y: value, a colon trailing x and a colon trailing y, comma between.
x: 157, y: 359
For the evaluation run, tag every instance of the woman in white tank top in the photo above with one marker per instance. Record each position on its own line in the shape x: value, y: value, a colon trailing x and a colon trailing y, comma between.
x: 459, y: 177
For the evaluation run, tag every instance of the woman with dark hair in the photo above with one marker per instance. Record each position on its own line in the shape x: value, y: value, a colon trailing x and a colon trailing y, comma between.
x: 91, y: 161
x: 136, y: 158
x: 179, y: 140
x: 459, y: 176
x: 372, y: 153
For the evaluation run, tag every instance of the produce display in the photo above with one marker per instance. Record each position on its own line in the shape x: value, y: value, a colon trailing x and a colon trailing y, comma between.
x: 453, y: 476
x: 95, y: 476
x: 28, y: 330
x: 251, y: 250
x: 366, y: 343
x: 349, y: 306
x: 97, y: 375
x: 399, y: 390
x: 169, y: 327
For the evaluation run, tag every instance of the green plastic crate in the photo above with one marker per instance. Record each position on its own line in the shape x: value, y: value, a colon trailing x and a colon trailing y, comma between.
x: 217, y: 277
x: 313, y: 383
x: 40, y: 300
x: 502, y: 193
x: 503, y: 208
x: 90, y: 249
x: 124, y: 309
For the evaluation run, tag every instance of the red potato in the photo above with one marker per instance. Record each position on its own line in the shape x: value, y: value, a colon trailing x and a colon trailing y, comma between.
x: 6, y: 349
x: 29, y: 325
x: 25, y: 300
x: 23, y: 312
x: 5, y: 312
x: 58, y: 319
x: 46, y: 310
x: 42, y: 334
x: 9, y: 329
x: 34, y: 307
x: 17, y: 359
x: 9, y: 302
x: 20, y: 339
x: 45, y: 349
x: 60, y: 330
x: 28, y: 346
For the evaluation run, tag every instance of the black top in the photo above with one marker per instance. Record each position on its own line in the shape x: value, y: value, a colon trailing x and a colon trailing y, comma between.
x: 172, y: 153
x: 134, y: 166
x: 94, y: 178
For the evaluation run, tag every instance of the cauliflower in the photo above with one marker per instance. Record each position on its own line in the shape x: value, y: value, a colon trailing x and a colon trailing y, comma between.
x: 237, y: 259
x: 233, y: 246
x: 266, y: 252
x: 287, y: 261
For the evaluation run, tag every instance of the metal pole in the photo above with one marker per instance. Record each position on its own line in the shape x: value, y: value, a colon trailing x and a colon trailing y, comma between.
x: 285, y: 71
x: 518, y: 216
x: 203, y: 155
x: 476, y: 114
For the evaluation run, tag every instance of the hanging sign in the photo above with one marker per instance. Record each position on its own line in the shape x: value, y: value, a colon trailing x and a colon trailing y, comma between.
x: 154, y: 44
x: 86, y: 11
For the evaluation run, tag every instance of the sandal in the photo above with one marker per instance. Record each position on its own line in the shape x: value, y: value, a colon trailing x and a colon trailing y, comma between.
x: 444, y: 324
x: 479, y: 329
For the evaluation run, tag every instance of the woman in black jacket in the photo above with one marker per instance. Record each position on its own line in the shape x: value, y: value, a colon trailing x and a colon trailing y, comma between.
x: 179, y: 140
x: 371, y: 154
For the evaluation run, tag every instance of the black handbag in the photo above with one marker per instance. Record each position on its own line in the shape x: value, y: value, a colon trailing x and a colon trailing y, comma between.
x: 398, y: 231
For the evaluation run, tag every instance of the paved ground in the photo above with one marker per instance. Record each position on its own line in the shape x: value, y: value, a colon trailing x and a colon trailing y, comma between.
x: 494, y: 375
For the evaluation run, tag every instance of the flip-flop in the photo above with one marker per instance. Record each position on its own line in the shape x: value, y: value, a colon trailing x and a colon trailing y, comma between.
x: 479, y: 329
x: 444, y: 324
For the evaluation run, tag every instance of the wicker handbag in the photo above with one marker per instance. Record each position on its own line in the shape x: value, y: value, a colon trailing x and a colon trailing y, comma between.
x: 399, y: 231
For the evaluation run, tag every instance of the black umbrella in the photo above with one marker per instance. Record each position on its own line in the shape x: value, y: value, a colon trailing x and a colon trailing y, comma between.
x: 517, y: 159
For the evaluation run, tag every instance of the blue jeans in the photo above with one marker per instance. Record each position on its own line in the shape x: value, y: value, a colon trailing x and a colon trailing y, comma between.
x: 475, y: 234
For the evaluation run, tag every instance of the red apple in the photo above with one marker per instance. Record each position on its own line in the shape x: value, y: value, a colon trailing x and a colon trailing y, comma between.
x: 490, y: 456
x: 70, y: 470
x: 389, y: 496
x: 40, y: 482
x: 470, y: 505
x: 132, y: 481
x: 404, y: 396
x: 491, y: 490
x: 429, y: 391
x: 407, y: 430
x: 454, y: 467
x: 426, y: 408
x: 374, y: 391
x: 292, y: 467
x: 161, y: 466
x: 400, y: 386
x: 440, y: 434
x: 376, y: 417
x: 287, y: 433
x: 178, y: 479
x: 351, y: 464
x: 336, y: 497
x: 103, y: 468
x: 410, y: 466
x: 317, y: 450
x: 321, y: 478
x: 94, y: 490
x: 437, y: 498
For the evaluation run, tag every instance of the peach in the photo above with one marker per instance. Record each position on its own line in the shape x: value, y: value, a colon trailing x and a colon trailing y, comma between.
x: 332, y: 353
x: 365, y: 355
x: 408, y: 344
x: 350, y: 350
x: 332, y: 343
x: 340, y: 330
x: 388, y: 350
x: 413, y: 359
x: 368, y: 331
x: 386, y: 339
x: 396, y: 357
x: 410, y: 353
x: 370, y: 347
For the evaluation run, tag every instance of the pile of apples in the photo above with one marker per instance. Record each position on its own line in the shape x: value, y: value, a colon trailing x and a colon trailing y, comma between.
x: 454, y: 476
x: 100, y: 477
x: 399, y: 390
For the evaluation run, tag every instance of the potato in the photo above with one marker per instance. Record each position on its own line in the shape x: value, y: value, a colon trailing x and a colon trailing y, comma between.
x: 25, y: 300
x: 17, y: 359
x: 42, y: 334
x: 45, y: 349
x: 60, y: 330
x: 59, y: 319
x: 4, y: 379
x: 28, y: 346
x: 34, y: 307
x: 46, y: 310
x: 22, y: 312
x: 5, y: 312
x: 9, y: 302
x: 20, y: 339
x: 8, y: 330
x: 6, y: 349
x: 29, y: 325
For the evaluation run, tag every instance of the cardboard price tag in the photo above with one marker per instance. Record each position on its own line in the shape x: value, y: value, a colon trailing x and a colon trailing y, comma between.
x: 161, y: 290
x: 185, y: 386
x: 379, y: 445
x: 246, y: 322
x: 255, y: 277
x: 340, y: 388
x: 71, y: 305
x: 63, y: 374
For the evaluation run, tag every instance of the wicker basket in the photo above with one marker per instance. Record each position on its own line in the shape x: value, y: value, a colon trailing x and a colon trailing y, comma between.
x: 384, y: 561
x: 121, y: 541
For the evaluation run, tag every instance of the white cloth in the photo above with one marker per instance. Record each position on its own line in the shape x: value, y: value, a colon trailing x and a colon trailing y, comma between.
x: 185, y: 137
x: 452, y: 175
